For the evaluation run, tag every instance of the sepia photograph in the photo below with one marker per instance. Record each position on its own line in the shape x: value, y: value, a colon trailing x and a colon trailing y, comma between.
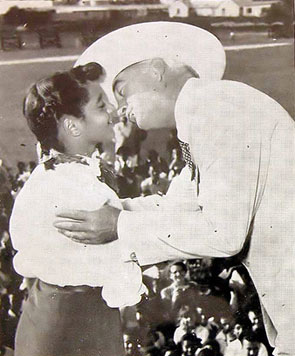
x: 147, y: 169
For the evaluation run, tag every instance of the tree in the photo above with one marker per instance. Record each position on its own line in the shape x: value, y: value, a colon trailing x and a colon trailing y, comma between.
x: 281, y: 12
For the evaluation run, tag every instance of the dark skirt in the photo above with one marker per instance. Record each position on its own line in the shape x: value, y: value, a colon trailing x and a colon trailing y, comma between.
x: 69, y: 321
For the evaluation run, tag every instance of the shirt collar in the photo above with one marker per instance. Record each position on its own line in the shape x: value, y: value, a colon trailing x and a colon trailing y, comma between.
x: 183, y: 122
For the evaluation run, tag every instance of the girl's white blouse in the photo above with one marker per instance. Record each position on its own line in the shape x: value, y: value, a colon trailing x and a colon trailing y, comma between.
x: 44, y: 253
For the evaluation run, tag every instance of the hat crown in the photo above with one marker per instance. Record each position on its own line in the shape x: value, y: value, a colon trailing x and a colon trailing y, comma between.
x: 176, y: 41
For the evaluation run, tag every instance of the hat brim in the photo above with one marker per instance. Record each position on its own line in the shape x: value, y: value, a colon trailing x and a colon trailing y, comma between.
x: 176, y: 41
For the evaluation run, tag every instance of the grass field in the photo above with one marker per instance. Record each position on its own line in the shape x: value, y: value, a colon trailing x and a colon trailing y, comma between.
x: 270, y: 70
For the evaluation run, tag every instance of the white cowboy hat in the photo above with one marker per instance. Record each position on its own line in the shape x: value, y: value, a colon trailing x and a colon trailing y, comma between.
x: 177, y: 41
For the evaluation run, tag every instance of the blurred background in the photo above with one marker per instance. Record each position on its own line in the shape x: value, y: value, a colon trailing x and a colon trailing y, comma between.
x: 39, y: 37
x: 43, y: 36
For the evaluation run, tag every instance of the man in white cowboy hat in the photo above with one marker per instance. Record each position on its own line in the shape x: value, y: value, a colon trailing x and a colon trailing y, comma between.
x: 237, y: 192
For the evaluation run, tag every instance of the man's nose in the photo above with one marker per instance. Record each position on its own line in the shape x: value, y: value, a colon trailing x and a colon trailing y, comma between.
x: 122, y: 111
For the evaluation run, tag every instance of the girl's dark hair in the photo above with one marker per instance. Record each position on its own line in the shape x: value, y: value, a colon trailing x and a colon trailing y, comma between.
x: 54, y: 96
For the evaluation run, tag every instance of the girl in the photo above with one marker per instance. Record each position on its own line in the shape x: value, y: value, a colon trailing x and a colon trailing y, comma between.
x: 66, y: 313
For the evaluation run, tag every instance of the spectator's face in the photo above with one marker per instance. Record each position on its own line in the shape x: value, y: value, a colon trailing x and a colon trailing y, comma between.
x: 187, y: 322
x: 153, y: 172
x: 253, y: 317
x: 194, y: 266
x: 175, y: 153
x: 225, y: 325
x: 251, y: 347
x: 177, y: 274
x: 142, y: 96
x: 203, y: 320
x: 131, y: 347
x: 155, y: 285
x: 238, y: 329
x: 188, y: 348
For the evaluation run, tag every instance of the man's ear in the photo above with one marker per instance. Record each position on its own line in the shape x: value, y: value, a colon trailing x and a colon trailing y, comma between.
x: 158, y: 67
x: 72, y: 126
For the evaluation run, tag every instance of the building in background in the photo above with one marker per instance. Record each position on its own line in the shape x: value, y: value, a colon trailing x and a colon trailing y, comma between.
x: 252, y: 8
x: 216, y: 8
x: 5, y: 5
x: 177, y: 8
x: 231, y: 8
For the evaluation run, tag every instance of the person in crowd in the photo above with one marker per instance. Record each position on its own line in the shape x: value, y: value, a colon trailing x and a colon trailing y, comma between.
x: 122, y: 131
x: 203, y: 329
x: 9, y: 281
x: 213, y: 346
x: 176, y: 165
x: 172, y: 143
x: 171, y: 353
x: 122, y: 159
x: 200, y: 271
x: 171, y: 349
x: 128, y: 185
x: 159, y: 163
x: 72, y: 307
x: 242, y: 290
x: 235, y: 346
x: 190, y: 343
x: 4, y: 226
x: 132, y: 345
x: 155, y: 183
x: 187, y: 323
x: 132, y: 323
x: 6, y: 199
x: 255, y: 317
x: 23, y: 174
x: 253, y: 347
x: 239, y: 147
x: 225, y: 335
x: 21, y: 169
x: 154, y: 312
x: 31, y: 166
x: 241, y: 327
x: 155, y: 339
x: 181, y: 291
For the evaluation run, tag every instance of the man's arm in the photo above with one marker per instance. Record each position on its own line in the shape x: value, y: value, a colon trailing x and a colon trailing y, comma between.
x: 179, y: 194
x: 174, y: 227
x: 233, y: 162
x: 100, y: 226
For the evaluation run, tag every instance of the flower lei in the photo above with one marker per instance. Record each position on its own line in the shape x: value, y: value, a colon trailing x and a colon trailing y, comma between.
x: 103, y: 170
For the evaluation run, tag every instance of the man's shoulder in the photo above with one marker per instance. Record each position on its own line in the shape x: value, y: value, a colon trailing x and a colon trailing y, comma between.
x: 202, y: 93
x: 199, y: 93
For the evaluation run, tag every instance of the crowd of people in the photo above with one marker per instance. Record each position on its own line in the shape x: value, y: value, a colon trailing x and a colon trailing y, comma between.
x: 209, y: 308
x: 193, y: 307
